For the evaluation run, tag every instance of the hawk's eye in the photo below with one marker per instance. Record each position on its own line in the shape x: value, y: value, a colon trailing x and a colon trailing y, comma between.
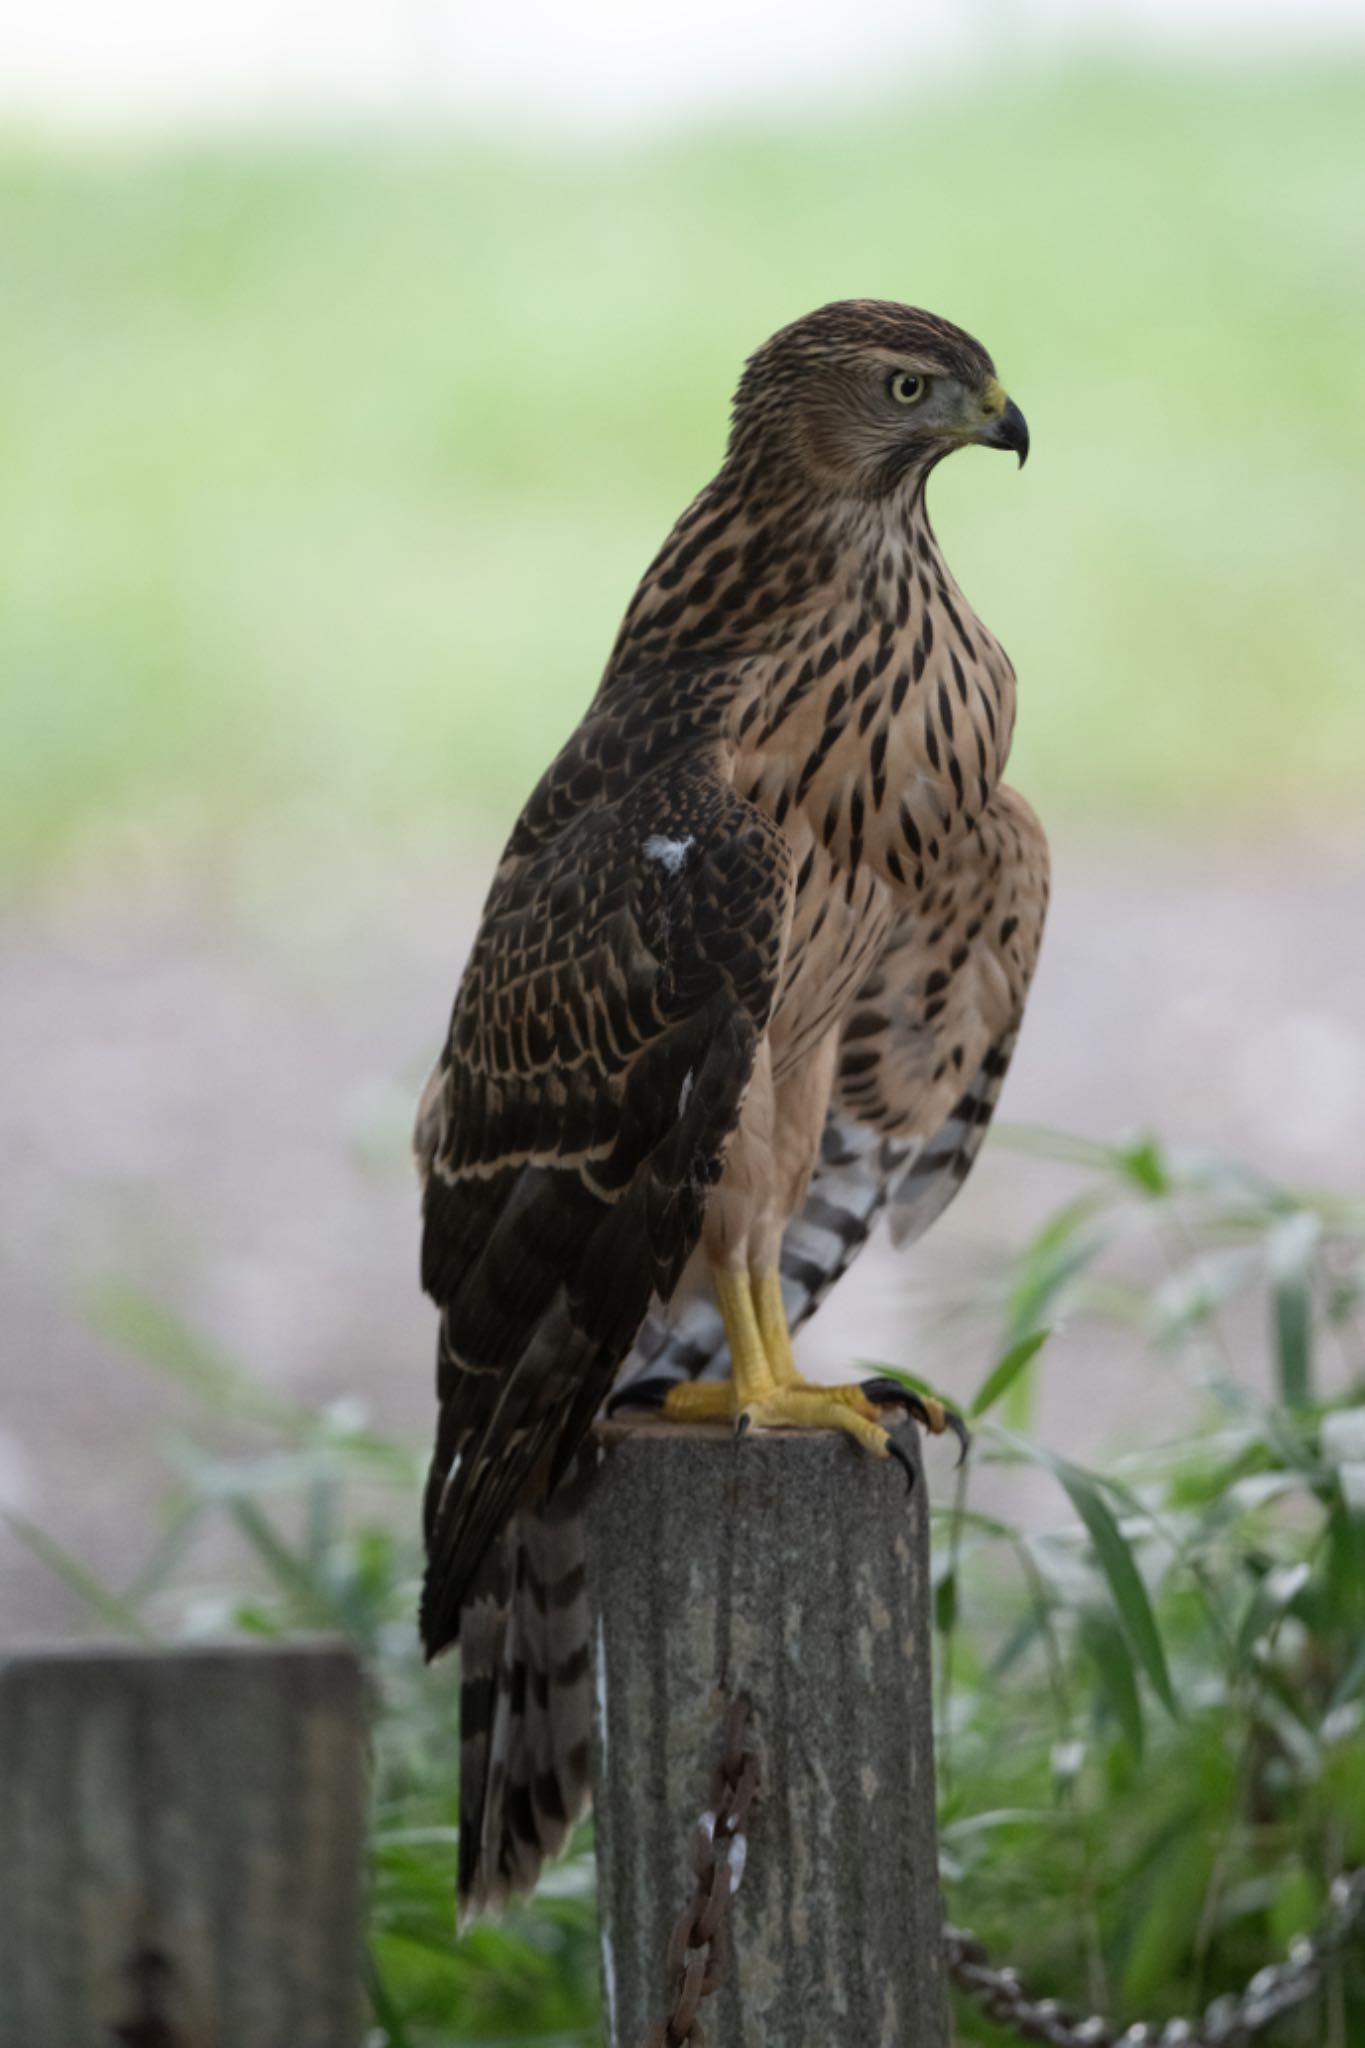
x: 906, y: 388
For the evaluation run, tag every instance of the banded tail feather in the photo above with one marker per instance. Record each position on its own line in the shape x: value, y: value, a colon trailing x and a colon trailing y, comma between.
x: 930, y: 1178
x: 525, y: 1700
x: 567, y: 1147
x: 525, y: 1627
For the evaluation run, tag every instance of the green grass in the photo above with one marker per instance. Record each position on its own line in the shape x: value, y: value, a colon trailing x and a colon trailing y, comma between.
x: 1151, y: 1688
x: 325, y: 473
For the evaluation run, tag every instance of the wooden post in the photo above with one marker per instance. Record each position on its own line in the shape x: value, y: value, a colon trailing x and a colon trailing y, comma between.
x: 181, y: 1847
x: 790, y: 1569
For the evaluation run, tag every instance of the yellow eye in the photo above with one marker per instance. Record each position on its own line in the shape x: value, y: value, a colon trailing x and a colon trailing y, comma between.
x: 906, y: 388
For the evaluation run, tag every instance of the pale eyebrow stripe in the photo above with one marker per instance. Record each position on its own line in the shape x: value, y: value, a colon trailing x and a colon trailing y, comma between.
x: 920, y: 366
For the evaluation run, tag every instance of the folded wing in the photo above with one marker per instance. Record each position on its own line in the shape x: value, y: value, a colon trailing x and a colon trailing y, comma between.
x: 923, y: 1056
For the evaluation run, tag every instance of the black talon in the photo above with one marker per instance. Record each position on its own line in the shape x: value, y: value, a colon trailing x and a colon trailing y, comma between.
x: 903, y: 1458
x: 641, y: 1394
x: 742, y: 1425
x: 889, y: 1393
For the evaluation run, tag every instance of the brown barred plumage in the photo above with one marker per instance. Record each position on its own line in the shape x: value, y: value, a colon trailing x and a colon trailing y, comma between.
x: 751, y: 970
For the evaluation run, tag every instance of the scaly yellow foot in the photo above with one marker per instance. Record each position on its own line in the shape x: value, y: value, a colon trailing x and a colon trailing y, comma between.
x: 750, y: 1365
x: 806, y: 1407
x: 714, y: 1400
x: 771, y: 1312
x: 761, y: 1361
x: 766, y: 1391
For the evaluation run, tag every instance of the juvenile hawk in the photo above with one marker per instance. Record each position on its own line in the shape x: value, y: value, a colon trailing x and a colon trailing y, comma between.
x: 751, y: 970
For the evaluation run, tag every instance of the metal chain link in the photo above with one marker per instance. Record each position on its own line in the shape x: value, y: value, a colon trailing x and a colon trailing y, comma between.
x: 1227, y: 2023
x: 719, y: 1845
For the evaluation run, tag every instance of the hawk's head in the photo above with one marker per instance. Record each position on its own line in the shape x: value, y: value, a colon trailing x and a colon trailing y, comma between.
x: 864, y: 394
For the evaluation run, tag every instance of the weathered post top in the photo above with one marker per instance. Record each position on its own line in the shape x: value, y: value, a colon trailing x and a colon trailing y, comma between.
x: 788, y: 1569
x: 181, y: 1847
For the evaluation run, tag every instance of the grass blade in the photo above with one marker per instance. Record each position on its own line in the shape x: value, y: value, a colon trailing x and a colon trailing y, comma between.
x: 1115, y: 1558
x: 118, y: 1614
x: 311, y: 1598
x: 1290, y: 1252
x: 1002, y: 1376
x: 1110, y: 1654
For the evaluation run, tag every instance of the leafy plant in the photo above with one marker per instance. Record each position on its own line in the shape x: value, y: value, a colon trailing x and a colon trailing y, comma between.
x: 1152, y: 1738
x: 327, y: 1515
x: 1151, y: 1719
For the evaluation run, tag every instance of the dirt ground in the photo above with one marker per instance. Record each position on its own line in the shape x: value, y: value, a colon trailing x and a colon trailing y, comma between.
x: 205, y: 1093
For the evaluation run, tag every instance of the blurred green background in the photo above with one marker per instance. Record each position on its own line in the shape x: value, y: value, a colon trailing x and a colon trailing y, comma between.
x: 328, y: 468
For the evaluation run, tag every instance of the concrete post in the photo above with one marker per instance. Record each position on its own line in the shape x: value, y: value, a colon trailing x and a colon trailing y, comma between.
x: 789, y: 1568
x: 181, y: 1847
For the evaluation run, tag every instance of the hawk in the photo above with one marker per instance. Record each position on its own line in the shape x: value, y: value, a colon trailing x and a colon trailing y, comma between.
x: 750, y: 972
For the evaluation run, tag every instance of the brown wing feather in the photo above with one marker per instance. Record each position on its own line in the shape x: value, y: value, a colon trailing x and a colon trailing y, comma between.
x: 600, y: 1046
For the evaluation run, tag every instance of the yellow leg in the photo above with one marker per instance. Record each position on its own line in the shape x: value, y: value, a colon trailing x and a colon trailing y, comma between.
x: 772, y: 1325
x: 777, y: 1342
x: 750, y: 1365
x: 766, y: 1390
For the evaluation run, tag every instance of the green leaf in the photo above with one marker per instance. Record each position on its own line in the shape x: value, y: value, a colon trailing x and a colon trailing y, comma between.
x: 312, y: 1599
x: 117, y: 1614
x: 1115, y: 1559
x: 1042, y: 1142
x: 1351, y: 1680
x: 1273, y: 1597
x: 1002, y: 1817
x: 1003, y: 1375
x: 1125, y: 1581
x: 1341, y: 1438
x: 1171, y: 1903
x: 1144, y: 1165
x: 386, y: 2009
x: 1193, y: 1294
x: 1025, y: 1633
x: 1062, y: 1250
x: 1290, y: 1252
x: 1110, y: 1654
x: 1297, y: 1905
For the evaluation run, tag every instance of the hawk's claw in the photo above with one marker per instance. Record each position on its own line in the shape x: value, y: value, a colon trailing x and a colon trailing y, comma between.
x: 930, y: 1414
x: 711, y: 1400
x: 891, y: 1393
x: 903, y: 1458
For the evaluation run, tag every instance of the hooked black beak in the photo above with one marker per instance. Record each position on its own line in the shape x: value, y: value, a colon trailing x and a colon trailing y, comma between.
x: 1009, y: 429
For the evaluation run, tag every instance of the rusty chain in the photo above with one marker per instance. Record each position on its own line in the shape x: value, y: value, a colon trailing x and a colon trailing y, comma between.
x: 1227, y: 2023
x: 719, y: 1845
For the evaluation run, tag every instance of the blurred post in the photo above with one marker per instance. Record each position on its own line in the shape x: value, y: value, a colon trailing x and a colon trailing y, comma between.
x: 181, y: 1847
x: 784, y: 1569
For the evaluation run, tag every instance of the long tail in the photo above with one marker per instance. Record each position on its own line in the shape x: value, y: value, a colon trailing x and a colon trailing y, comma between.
x: 525, y: 1628
x: 525, y: 1700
